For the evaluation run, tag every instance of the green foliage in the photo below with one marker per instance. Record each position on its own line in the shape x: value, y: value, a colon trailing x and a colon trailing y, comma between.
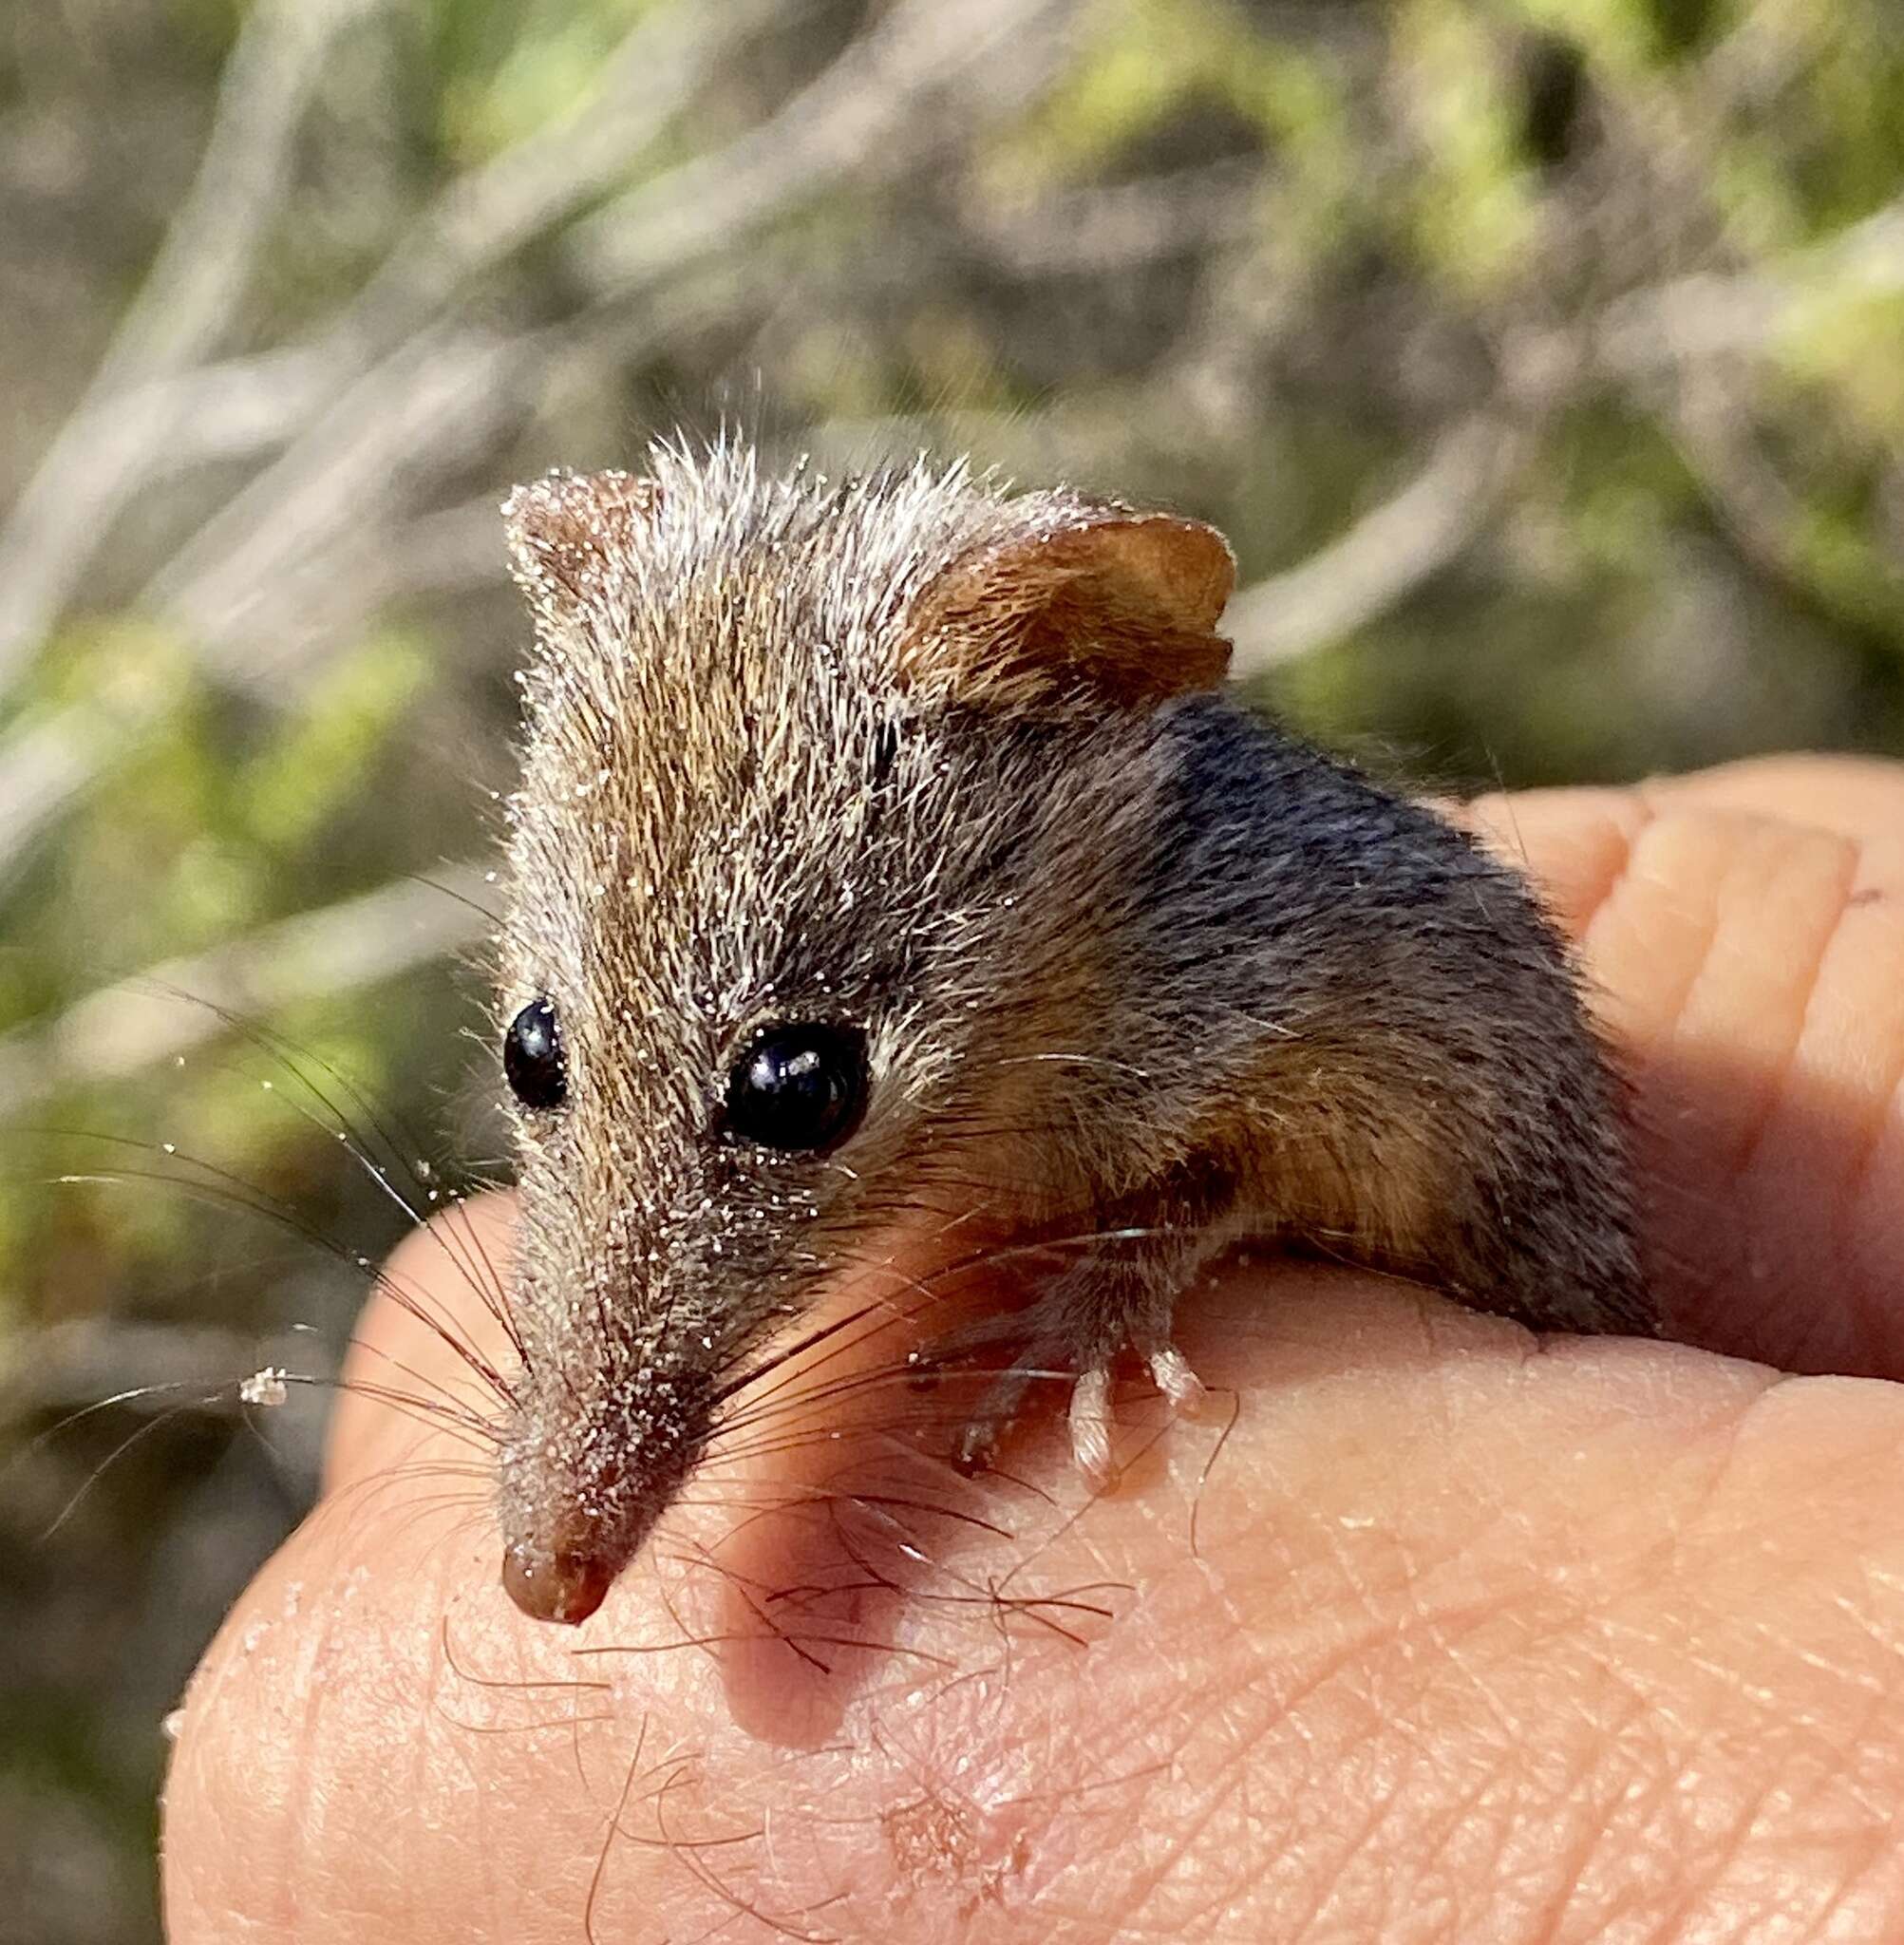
x: 1475, y: 209
x: 317, y: 760
x: 508, y: 70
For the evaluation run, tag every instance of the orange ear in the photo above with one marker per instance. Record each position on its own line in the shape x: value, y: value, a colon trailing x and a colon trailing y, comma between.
x: 1113, y: 606
x: 565, y: 529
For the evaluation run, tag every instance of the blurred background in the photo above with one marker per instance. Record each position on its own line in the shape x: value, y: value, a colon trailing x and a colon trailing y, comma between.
x: 1544, y: 360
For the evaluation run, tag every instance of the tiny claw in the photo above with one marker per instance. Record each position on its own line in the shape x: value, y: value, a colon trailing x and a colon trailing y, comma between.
x: 976, y: 1448
x: 1182, y: 1389
x: 1091, y: 1429
x: 998, y: 1409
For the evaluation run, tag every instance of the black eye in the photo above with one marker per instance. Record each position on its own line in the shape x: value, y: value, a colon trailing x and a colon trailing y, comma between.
x: 532, y: 1057
x: 799, y: 1087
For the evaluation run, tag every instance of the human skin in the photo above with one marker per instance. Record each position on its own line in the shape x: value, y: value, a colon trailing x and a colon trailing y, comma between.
x: 1429, y: 1629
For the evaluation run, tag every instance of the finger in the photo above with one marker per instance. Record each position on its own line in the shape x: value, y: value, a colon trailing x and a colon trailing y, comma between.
x: 1529, y: 1645
x: 1752, y: 973
x: 1856, y: 796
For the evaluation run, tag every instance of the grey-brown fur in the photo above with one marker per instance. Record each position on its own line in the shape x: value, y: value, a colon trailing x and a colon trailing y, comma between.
x: 1126, y: 957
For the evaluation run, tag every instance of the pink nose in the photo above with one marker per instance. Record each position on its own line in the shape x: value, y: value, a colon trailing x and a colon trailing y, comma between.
x: 561, y: 1587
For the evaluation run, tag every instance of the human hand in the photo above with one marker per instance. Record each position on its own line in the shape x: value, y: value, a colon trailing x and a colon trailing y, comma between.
x: 1453, y: 1633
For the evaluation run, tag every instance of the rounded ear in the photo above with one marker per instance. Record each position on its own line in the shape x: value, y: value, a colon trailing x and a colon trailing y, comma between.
x: 565, y: 531
x: 1111, y: 606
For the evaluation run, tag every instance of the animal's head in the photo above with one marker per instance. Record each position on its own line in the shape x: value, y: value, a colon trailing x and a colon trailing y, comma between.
x: 800, y: 757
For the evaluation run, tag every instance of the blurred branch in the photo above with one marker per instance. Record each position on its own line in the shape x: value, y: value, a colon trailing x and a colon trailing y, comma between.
x: 1685, y: 330
x: 145, y: 414
x: 1385, y: 556
x: 863, y: 114
x: 490, y: 213
x: 182, y: 308
x: 45, y: 762
x: 225, y: 410
x: 266, y: 619
x: 393, y: 428
x: 1714, y: 436
x: 333, y: 596
x: 411, y: 416
x: 1692, y: 349
x: 1711, y: 314
x: 172, y: 1008
x: 147, y: 1367
x: 1126, y: 224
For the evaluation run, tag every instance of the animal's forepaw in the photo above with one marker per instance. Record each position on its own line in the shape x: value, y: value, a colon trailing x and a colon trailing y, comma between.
x: 1090, y: 1416
x: 1091, y: 1410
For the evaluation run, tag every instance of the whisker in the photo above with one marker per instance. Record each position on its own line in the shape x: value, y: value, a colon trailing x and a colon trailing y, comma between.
x: 296, y: 1059
x: 112, y: 1459
x: 229, y: 1191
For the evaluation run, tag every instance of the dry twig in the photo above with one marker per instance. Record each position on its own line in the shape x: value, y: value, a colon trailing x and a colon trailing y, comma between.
x: 1385, y: 556
x: 182, y: 309
x: 170, y: 1009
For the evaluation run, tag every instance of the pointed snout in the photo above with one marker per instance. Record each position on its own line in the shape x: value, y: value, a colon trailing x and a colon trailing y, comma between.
x: 581, y: 1479
x: 566, y: 1584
